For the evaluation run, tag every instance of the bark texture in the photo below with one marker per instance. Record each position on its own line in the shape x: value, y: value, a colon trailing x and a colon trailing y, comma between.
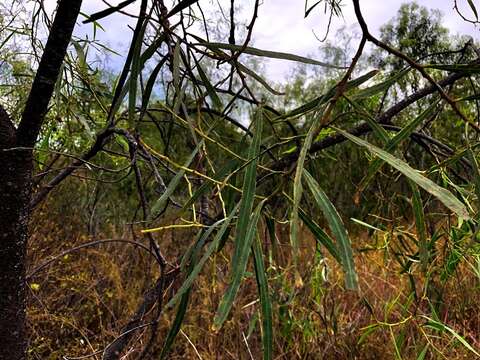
x: 16, y: 153
x: 15, y: 174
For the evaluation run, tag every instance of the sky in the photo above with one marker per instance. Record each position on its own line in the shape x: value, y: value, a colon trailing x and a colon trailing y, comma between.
x: 281, y: 25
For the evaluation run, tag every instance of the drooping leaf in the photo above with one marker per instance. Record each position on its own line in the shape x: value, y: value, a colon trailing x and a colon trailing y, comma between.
x: 445, y: 196
x: 199, y: 265
x: 238, y: 267
x: 384, y: 85
x: 418, y: 212
x: 437, y: 325
x: 135, y: 70
x: 265, y: 301
x: 320, y: 236
x: 212, y: 93
x: 298, y: 187
x: 182, y: 5
x: 463, y: 68
x: 160, y: 203
x: 338, y: 230
x: 391, y: 144
x: 258, y: 78
x: 82, y: 58
x: 176, y: 325
x: 246, y: 226
x: 474, y: 9
x: 104, y: 13
x: 308, y: 10
x: 268, y: 54
x: 315, y: 103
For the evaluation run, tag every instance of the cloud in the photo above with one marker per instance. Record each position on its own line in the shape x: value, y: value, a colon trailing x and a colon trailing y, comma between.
x: 281, y: 25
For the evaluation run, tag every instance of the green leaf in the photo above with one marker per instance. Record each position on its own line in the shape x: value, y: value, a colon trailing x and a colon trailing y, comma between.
x: 108, y: 11
x: 265, y: 301
x: 151, y: 83
x: 307, y: 11
x: 238, y: 266
x: 176, y: 325
x: 217, y: 103
x: 423, y: 353
x: 338, y: 230
x: 320, y: 236
x: 442, y: 327
x: 378, y: 130
x: 463, y: 68
x: 135, y: 70
x: 176, y: 67
x: 160, y: 203
x: 383, y: 86
x: 392, y: 143
x: 474, y: 9
x: 297, y: 183
x: 417, y: 205
x: 82, y: 59
x: 246, y: 226
x: 211, y: 248
x: 445, y: 196
x: 476, y: 173
x: 267, y: 53
x: 368, y: 330
x: 315, y: 103
x: 298, y: 187
x: 257, y: 77
x: 182, y: 5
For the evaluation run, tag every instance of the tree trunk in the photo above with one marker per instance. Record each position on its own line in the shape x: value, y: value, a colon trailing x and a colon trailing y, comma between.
x: 15, y: 174
x: 15, y: 182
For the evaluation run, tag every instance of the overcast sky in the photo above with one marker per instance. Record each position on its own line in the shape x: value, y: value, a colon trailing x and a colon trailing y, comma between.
x: 281, y: 25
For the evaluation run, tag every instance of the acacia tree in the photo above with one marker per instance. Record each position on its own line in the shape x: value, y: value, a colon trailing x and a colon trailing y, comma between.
x: 16, y: 155
x: 233, y: 181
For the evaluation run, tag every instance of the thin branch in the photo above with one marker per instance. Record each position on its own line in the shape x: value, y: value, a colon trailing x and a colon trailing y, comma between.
x: 413, y: 64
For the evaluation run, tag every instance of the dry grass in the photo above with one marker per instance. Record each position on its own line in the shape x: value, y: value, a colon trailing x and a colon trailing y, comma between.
x: 79, y: 303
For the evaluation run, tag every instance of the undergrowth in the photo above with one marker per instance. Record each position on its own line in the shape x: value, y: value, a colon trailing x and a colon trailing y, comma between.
x: 79, y: 303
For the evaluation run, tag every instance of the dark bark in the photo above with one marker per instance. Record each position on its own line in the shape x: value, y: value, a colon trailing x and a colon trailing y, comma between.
x: 15, y: 172
x: 15, y: 183
x: 48, y: 70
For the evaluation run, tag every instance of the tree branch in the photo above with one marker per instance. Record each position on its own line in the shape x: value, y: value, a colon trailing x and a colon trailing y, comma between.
x: 47, y: 73
x: 413, y: 64
x: 383, y: 118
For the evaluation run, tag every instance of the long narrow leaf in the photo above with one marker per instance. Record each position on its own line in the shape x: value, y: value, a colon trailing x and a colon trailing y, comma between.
x: 298, y: 188
x: 211, y: 248
x: 315, y: 103
x: 417, y: 205
x: 238, y: 268
x: 258, y: 78
x: 392, y: 144
x: 320, y: 236
x: 442, y: 327
x: 269, y: 54
x: 159, y: 204
x: 383, y: 86
x: 445, y: 196
x: 246, y: 226
x: 338, y: 230
x: 265, y: 301
x: 210, y: 89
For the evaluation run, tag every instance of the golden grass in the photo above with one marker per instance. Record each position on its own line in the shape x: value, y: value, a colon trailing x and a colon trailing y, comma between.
x: 79, y: 303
